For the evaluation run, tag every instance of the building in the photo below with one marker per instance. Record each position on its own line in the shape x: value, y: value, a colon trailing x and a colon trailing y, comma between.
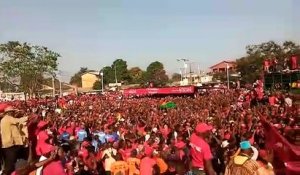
x: 88, y: 79
x: 221, y: 66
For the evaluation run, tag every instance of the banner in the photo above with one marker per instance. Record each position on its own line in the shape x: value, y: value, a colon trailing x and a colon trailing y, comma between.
x: 160, y: 91
x: 284, y: 152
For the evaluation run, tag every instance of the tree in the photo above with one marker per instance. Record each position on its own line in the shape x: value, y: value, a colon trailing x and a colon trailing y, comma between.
x: 120, y: 68
x: 27, y: 63
x: 176, y: 77
x: 136, y: 75
x: 76, y: 78
x: 251, y: 66
x: 156, y: 74
x: 97, y: 85
x: 108, y: 75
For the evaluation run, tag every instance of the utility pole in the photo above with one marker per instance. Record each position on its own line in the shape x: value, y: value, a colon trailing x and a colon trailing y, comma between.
x: 227, y: 68
x: 60, y: 89
x: 102, y: 81
x: 53, y: 86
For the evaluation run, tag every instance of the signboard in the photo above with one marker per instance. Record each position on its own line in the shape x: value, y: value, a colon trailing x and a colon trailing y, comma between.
x: 12, y: 96
x: 160, y: 91
x: 114, y: 84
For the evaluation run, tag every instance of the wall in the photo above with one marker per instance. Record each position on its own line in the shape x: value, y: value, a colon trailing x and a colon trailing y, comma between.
x: 88, y: 80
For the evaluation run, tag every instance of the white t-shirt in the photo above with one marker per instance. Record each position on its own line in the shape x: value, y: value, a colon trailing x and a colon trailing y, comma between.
x: 110, y: 160
x: 288, y: 102
x: 39, y: 170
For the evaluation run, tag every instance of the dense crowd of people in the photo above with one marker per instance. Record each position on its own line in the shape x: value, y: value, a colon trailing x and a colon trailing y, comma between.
x: 219, y: 132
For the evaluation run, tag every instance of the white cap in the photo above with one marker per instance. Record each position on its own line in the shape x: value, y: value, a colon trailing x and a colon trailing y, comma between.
x: 224, y: 144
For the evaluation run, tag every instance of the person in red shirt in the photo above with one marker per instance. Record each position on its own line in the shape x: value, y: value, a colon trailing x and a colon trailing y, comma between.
x: 55, y: 166
x: 147, y: 163
x: 200, y: 151
x: 43, y: 144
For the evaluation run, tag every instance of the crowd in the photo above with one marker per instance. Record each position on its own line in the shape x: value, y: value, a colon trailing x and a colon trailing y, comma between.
x: 219, y: 132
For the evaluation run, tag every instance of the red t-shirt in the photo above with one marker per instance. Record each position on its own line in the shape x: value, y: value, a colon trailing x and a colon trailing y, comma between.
x: 42, y: 147
x: 146, y: 166
x: 54, y: 167
x: 272, y: 100
x: 200, y: 151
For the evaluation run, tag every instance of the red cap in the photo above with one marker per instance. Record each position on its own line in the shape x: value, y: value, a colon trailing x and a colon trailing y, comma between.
x: 203, y: 127
x: 148, y: 151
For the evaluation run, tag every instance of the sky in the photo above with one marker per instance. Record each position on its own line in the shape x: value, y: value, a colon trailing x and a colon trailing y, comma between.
x: 93, y: 33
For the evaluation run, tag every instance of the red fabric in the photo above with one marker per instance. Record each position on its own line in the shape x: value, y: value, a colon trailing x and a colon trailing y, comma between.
x: 54, y: 167
x: 168, y: 90
x: 203, y: 127
x: 284, y: 150
x: 294, y: 62
x: 146, y: 165
x: 200, y: 151
x: 3, y: 106
x: 266, y: 63
x: 272, y: 100
x: 42, y: 146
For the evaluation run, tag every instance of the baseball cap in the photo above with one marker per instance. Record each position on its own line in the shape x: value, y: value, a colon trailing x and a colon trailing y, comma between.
x: 203, y: 127
x: 244, y: 145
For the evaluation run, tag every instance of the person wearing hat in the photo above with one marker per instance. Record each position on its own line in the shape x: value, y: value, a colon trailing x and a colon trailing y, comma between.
x: 11, y: 138
x: 148, y: 163
x: 200, y: 151
x: 42, y: 139
x: 242, y: 164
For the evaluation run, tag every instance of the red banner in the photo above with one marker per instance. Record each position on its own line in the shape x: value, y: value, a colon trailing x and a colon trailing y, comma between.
x: 286, y: 155
x: 160, y: 91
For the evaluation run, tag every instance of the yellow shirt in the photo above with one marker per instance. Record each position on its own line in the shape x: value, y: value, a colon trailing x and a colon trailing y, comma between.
x: 163, y: 167
x: 10, y: 131
x: 133, y: 163
x: 119, y: 168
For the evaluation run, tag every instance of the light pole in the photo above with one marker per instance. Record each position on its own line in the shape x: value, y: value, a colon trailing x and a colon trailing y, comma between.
x: 180, y: 71
x: 102, y: 86
x: 185, y: 66
x: 116, y: 74
x: 227, y: 70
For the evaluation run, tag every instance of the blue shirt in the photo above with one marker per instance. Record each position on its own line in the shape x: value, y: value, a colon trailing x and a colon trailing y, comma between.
x: 65, y: 136
x: 81, y: 135
x: 101, y: 136
x: 95, y: 144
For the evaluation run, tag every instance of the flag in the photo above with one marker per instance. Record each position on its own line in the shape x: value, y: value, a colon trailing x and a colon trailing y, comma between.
x: 168, y: 105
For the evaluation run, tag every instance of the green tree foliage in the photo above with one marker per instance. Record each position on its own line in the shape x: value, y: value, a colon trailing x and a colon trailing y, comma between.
x: 97, y: 85
x: 136, y: 75
x: 176, y: 77
x: 108, y: 75
x: 27, y: 63
x: 120, y: 66
x: 117, y: 70
x: 251, y: 66
x: 76, y: 78
x: 157, y: 74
